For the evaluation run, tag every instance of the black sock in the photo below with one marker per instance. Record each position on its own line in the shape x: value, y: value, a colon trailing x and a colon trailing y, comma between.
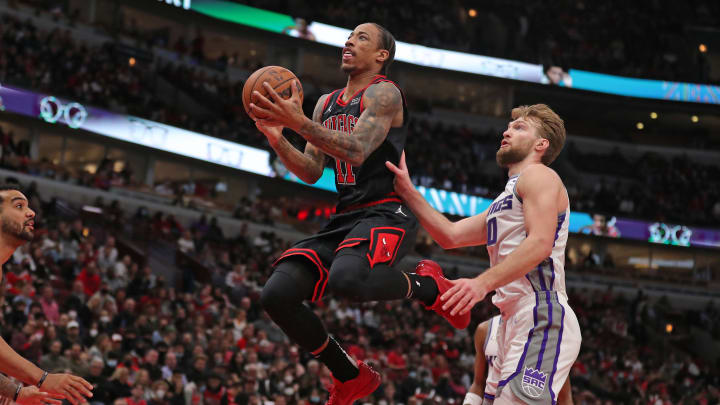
x: 339, y: 363
x: 423, y: 288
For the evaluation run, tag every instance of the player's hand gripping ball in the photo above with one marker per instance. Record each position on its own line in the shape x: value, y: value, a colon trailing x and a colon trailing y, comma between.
x: 279, y: 79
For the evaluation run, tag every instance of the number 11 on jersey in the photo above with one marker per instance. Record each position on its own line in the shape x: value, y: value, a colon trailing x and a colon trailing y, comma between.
x: 345, y: 174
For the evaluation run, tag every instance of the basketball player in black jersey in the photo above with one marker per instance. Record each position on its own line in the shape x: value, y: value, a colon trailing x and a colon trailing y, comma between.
x: 360, y: 127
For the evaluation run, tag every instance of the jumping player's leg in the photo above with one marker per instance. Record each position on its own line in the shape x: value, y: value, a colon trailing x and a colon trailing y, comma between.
x: 352, y: 277
x: 294, y: 281
x: 363, y: 267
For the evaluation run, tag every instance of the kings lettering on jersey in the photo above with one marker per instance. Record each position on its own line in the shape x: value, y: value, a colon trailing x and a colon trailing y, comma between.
x: 501, y: 205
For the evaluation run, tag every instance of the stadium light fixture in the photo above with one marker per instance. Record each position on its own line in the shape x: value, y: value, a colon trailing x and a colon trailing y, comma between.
x: 472, y: 13
x: 132, y: 61
x: 702, y: 48
x: 653, y: 115
x: 640, y: 126
x: 669, y: 328
x: 694, y: 118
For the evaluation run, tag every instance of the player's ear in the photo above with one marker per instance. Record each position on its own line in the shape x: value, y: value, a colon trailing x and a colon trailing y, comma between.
x: 542, y: 144
x: 382, y: 55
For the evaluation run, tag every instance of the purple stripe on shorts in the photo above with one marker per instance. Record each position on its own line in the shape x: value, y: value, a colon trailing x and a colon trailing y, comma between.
x: 527, y: 343
x: 541, y: 276
x: 557, y: 354
x: 547, y: 331
x: 527, y: 276
x: 552, y: 272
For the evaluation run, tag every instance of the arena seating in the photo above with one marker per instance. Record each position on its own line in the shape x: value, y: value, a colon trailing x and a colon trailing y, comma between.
x: 645, y: 41
x: 156, y: 303
x: 129, y: 320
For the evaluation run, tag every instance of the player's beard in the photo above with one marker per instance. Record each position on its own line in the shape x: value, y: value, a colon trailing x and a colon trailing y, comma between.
x: 346, y: 68
x: 16, y: 230
x: 513, y: 154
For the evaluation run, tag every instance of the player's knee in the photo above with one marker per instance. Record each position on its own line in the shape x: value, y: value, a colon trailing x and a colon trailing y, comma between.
x: 278, y: 293
x: 347, y: 274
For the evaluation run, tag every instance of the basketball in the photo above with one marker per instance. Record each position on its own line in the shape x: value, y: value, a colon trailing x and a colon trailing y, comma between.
x: 279, y: 79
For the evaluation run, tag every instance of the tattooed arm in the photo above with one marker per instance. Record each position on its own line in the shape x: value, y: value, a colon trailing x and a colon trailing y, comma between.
x: 382, y: 102
x: 308, y: 166
x: 7, y: 387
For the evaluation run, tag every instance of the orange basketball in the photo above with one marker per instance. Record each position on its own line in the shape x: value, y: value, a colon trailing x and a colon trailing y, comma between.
x: 277, y: 77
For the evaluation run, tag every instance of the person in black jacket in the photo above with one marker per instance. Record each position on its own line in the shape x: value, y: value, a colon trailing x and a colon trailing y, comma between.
x: 116, y: 387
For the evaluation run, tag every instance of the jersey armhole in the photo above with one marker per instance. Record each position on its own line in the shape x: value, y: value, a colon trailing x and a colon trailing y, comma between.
x: 327, y: 100
x: 515, y: 193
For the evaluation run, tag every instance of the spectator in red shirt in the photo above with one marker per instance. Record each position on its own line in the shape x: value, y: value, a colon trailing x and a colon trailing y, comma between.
x: 397, y: 363
x: 90, y: 279
x: 215, y: 391
x: 137, y: 395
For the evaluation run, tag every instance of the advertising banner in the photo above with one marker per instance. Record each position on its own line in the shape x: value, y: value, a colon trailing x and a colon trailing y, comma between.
x: 459, y: 61
x: 135, y: 130
x: 209, y: 149
x: 644, y: 88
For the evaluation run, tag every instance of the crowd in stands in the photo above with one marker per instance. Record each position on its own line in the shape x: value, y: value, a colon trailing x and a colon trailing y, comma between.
x: 54, y: 62
x: 651, y: 186
x: 678, y: 190
x: 76, y: 299
x: 647, y: 38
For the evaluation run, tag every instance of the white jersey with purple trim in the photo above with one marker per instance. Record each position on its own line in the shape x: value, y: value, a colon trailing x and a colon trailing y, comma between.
x: 505, y: 231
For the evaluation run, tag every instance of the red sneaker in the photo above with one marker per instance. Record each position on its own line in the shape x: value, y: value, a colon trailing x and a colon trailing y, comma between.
x: 345, y: 393
x: 429, y: 268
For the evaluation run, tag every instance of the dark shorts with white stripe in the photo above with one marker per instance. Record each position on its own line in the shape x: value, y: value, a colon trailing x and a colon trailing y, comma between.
x: 379, y: 234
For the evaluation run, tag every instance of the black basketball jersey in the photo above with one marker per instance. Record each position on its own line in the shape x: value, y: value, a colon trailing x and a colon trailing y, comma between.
x: 372, y: 181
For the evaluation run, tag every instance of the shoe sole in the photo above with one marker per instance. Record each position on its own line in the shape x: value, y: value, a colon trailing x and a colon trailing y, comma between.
x: 440, y: 276
x: 369, y: 388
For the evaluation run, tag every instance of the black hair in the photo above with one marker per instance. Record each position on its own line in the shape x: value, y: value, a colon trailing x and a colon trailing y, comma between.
x: 387, y: 42
x: 5, y: 187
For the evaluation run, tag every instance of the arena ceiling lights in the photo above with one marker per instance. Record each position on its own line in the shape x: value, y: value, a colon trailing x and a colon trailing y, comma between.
x: 471, y: 63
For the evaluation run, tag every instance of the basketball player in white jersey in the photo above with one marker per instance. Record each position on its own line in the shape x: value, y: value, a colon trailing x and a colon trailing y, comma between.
x: 525, y: 230
x: 487, y: 367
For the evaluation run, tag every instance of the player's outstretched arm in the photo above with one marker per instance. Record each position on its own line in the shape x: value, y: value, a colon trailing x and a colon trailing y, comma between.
x: 565, y: 395
x: 71, y: 387
x: 382, y: 102
x: 29, y: 395
x: 481, y: 371
x: 449, y: 235
x: 307, y: 166
x: 539, y: 188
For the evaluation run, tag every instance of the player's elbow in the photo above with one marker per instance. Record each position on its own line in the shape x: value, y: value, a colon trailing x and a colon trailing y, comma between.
x: 544, y: 246
x: 310, y: 175
x: 311, y: 178
x: 443, y: 244
x: 447, y: 241
x: 356, y: 159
